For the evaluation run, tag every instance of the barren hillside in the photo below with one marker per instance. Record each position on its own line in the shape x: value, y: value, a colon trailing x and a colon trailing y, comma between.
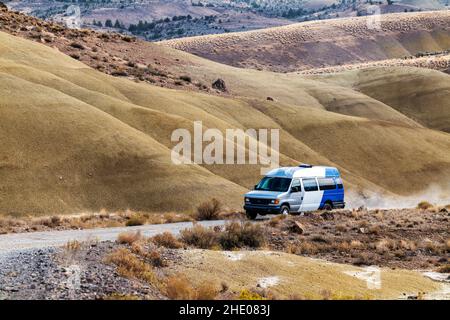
x: 319, y: 44
x: 89, y: 140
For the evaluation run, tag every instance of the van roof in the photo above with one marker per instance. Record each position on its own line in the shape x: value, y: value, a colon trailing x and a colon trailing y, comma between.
x: 304, y: 172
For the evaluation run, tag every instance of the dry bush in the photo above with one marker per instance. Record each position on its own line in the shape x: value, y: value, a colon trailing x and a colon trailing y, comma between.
x: 166, y: 240
x: 136, y: 220
x: 444, y: 269
x: 73, y: 245
x: 179, y: 288
x: 424, y: 205
x: 433, y: 247
x: 77, y: 45
x: 129, y: 237
x: 120, y: 296
x: 52, y: 222
x: 275, y: 221
x: 155, y: 259
x: 209, y: 210
x: 303, y: 248
x: 238, y: 235
x: 206, y: 291
x: 385, y: 245
x: 342, y: 228
x: 407, y: 245
x: 356, y: 244
x: 246, y: 294
x: 199, y: 236
x: 130, y: 266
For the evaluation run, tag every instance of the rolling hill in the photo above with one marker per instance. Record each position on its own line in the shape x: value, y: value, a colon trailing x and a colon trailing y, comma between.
x: 75, y: 139
x: 319, y: 44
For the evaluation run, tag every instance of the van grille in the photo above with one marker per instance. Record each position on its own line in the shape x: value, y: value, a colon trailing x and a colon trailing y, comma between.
x: 259, y: 201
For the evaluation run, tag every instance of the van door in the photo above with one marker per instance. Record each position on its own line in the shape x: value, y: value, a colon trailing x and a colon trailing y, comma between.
x: 296, y: 195
x: 312, y: 196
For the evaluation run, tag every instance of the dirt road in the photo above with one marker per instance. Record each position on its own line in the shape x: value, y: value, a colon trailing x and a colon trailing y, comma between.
x: 37, y: 240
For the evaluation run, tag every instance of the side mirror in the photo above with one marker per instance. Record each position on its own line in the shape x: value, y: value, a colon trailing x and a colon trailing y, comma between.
x: 254, y: 188
x: 295, y: 189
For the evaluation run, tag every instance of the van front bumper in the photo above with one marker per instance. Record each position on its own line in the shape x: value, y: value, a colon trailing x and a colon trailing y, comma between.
x: 262, y: 209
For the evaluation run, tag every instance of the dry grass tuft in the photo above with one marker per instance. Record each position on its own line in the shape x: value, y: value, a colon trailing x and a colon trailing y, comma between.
x: 239, y: 235
x: 130, y: 266
x: 424, y: 205
x: 136, y: 220
x: 209, y: 210
x: 129, y: 237
x: 246, y: 294
x: 199, y: 236
x: 73, y: 245
x: 180, y: 288
x: 166, y: 240
x: 444, y: 269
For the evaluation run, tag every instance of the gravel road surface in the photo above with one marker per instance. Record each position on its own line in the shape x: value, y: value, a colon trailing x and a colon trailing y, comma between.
x: 49, y: 239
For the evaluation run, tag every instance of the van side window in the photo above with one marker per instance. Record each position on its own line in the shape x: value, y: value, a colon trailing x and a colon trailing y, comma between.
x: 310, y: 185
x: 339, y: 183
x: 296, y: 185
x: 327, y: 184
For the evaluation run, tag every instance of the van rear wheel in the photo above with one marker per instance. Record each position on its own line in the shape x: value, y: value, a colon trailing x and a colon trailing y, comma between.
x: 327, y: 206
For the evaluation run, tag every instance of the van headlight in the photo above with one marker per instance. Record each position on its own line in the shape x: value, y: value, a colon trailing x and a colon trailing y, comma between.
x: 247, y: 200
x: 275, y: 201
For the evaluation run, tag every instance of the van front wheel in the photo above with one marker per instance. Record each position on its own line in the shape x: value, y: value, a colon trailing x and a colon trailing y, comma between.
x: 284, y: 210
x: 251, y: 214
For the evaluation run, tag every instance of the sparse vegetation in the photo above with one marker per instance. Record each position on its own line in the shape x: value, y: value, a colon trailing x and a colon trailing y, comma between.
x: 129, y: 265
x: 209, y: 210
x: 166, y: 240
x: 129, y: 237
x: 424, y: 205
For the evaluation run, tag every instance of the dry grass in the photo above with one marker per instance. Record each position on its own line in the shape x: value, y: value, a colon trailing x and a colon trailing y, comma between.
x: 444, y: 269
x: 129, y: 237
x: 297, y: 275
x: 180, y: 288
x: 73, y: 245
x: 130, y: 266
x: 199, y: 237
x: 209, y: 210
x: 136, y: 220
x: 166, y: 240
x: 235, y: 235
x: 239, y: 235
x: 424, y: 205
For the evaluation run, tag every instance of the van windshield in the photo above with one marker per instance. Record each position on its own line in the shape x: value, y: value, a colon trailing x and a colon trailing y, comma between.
x: 274, y: 184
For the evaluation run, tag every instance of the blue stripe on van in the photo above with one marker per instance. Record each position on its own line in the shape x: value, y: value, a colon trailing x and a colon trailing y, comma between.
x: 331, y: 173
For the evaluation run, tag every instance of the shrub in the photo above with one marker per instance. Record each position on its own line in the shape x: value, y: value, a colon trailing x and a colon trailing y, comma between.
x: 166, y: 240
x: 179, y: 288
x: 186, y: 78
x: 238, y: 235
x: 77, y: 45
x: 199, y: 236
x: 209, y: 210
x: 135, y: 220
x: 75, y: 56
x: 155, y: 259
x: 246, y: 294
x: 129, y: 237
x: 424, y: 205
x: 73, y: 245
x: 444, y: 269
x: 130, y: 266
x: 206, y: 291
